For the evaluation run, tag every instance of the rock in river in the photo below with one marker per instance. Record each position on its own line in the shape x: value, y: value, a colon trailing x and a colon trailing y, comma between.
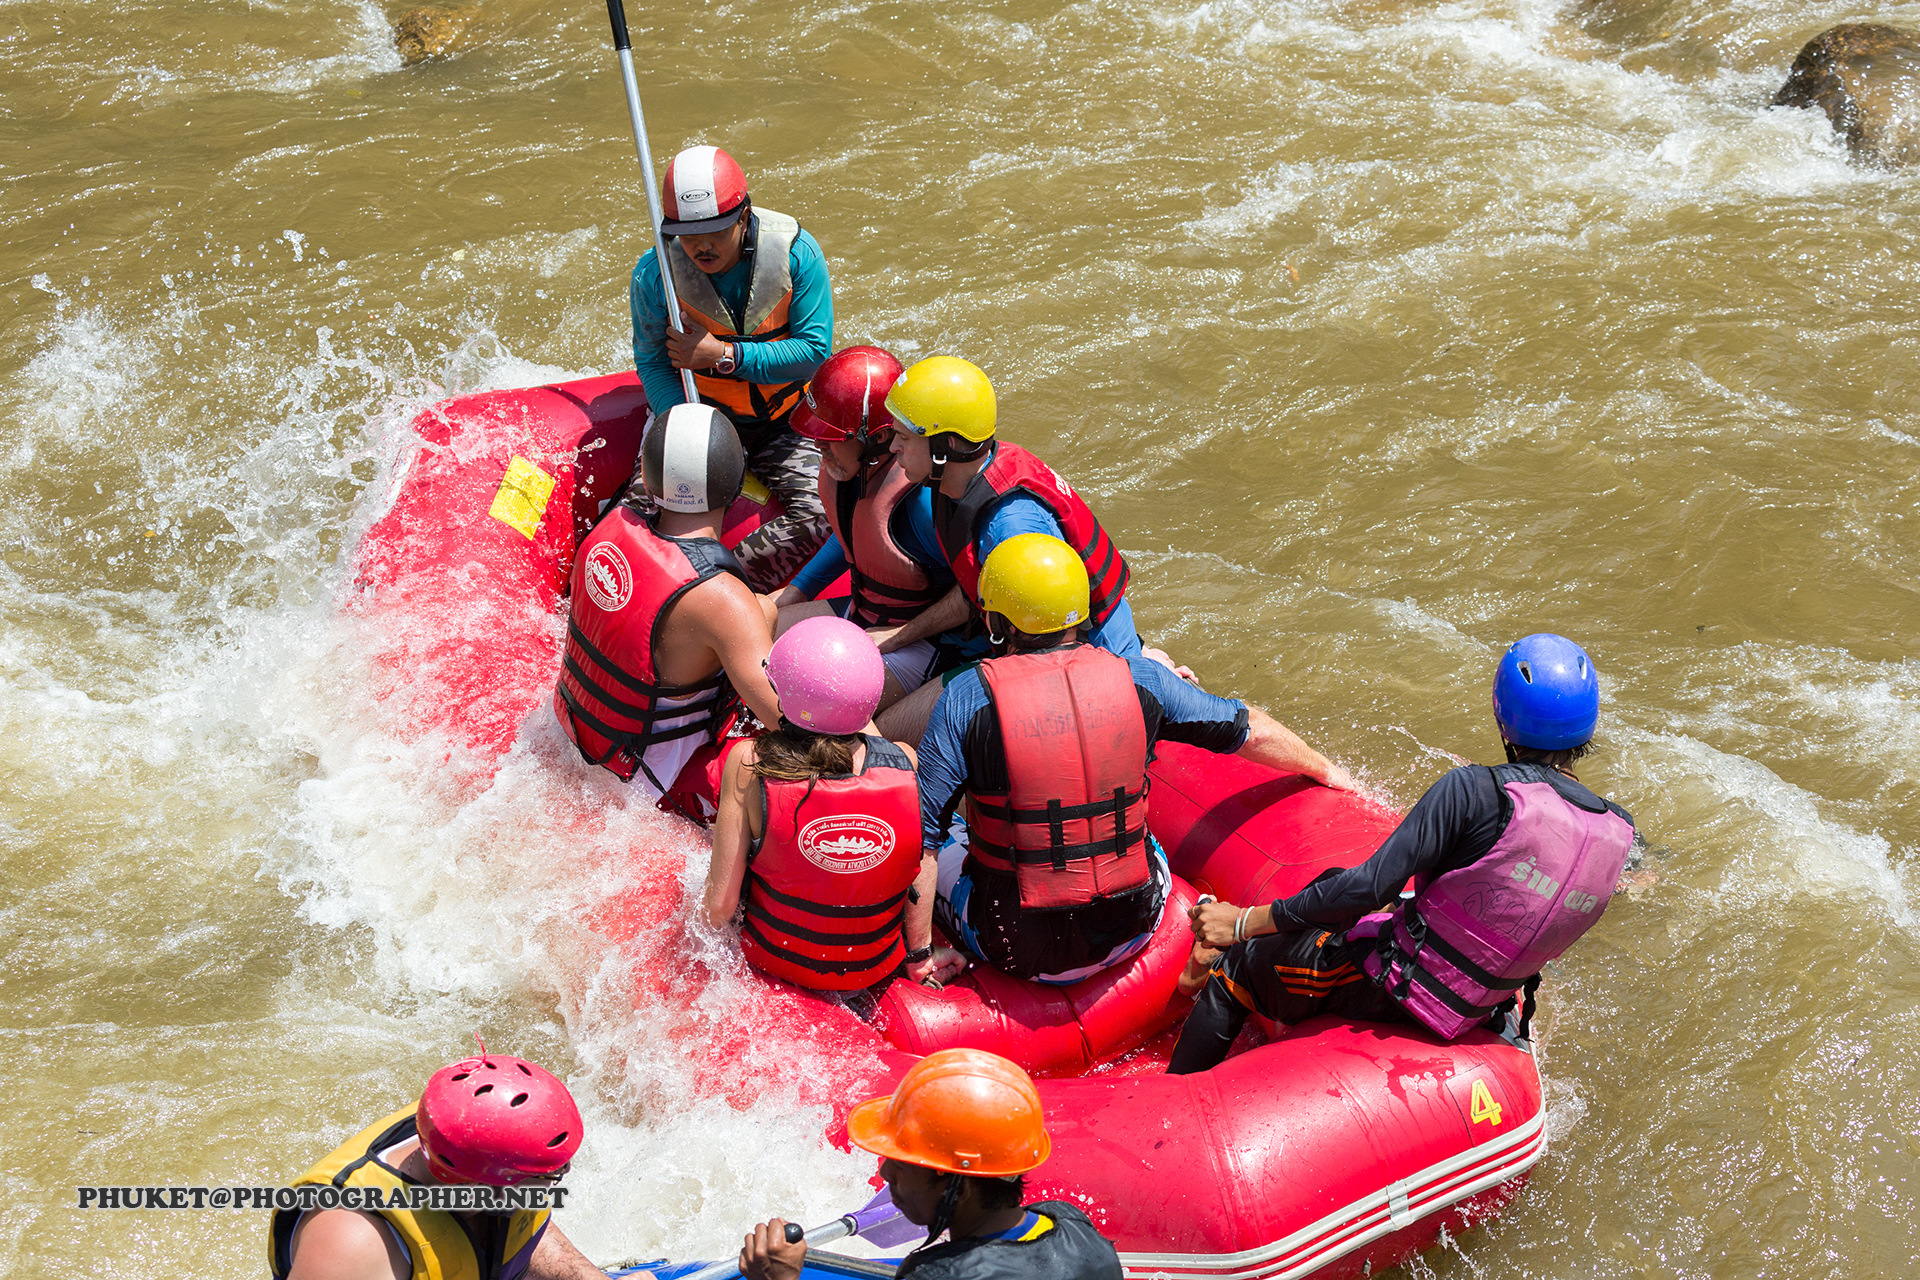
x: 1866, y: 77
x: 433, y: 31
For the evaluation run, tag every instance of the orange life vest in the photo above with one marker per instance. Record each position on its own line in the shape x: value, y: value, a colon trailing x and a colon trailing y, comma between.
x: 889, y: 586
x: 764, y: 319
x: 1071, y: 828
x: 827, y: 885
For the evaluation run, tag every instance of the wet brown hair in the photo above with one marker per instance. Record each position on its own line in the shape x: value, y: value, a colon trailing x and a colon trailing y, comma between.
x: 792, y: 754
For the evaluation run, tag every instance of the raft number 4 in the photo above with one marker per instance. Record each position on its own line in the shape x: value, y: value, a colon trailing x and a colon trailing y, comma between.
x: 1483, y: 1107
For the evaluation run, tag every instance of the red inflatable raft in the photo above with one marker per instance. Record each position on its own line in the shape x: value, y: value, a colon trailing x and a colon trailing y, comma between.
x: 1333, y: 1149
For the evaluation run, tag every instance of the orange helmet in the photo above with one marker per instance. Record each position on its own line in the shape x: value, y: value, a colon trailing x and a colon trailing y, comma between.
x: 959, y: 1111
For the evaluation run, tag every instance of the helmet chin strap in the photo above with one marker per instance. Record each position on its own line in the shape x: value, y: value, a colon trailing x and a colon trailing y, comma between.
x: 938, y: 469
x: 943, y: 1215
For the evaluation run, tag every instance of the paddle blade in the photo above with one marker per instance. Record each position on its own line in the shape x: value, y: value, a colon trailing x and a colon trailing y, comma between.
x: 882, y: 1223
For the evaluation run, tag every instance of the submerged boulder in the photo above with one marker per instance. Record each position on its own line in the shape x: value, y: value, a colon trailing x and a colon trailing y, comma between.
x: 1866, y: 77
x: 433, y: 31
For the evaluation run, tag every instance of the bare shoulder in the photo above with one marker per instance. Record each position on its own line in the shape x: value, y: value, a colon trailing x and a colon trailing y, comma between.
x: 740, y: 761
x: 345, y: 1244
x: 722, y: 601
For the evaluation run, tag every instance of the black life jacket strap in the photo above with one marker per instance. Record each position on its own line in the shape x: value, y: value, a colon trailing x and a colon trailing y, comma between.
x: 636, y: 742
x: 853, y: 912
x: 810, y: 962
x: 1412, y: 971
x: 1053, y: 812
x: 1451, y: 954
x: 904, y: 603
x: 757, y: 911
x: 1058, y: 855
x: 639, y: 686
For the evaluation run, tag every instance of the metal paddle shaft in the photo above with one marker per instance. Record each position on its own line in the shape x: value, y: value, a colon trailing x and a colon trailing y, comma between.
x: 879, y: 1211
x: 623, y: 48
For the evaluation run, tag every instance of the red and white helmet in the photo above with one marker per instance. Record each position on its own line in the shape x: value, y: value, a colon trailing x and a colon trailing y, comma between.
x: 847, y: 399
x: 702, y: 194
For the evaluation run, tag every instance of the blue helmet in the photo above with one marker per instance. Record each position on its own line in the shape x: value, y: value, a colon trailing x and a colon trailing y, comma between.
x: 1546, y: 694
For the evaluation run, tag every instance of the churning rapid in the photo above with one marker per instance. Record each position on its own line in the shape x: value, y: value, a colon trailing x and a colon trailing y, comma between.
x: 1380, y: 333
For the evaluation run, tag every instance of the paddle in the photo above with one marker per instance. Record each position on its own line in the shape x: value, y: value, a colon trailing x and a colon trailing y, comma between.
x: 622, y: 47
x: 880, y: 1222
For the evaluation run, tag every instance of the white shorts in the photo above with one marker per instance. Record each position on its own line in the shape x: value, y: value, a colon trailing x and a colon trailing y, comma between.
x: 912, y: 665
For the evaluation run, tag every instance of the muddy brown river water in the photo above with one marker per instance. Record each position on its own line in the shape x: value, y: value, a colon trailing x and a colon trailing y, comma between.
x: 1379, y: 333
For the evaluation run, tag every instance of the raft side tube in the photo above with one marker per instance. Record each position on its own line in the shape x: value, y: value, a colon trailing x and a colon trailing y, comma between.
x: 1247, y: 834
x: 1295, y: 1154
x: 1051, y: 1030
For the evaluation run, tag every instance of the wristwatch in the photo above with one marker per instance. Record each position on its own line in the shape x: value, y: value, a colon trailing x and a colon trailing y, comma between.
x: 727, y: 363
x: 918, y: 954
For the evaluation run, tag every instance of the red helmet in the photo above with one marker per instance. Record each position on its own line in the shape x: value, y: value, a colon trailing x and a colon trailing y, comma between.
x: 847, y: 399
x: 496, y: 1120
x: 703, y: 192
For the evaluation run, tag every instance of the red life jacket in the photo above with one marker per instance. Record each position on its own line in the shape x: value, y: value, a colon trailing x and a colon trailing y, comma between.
x: 889, y: 585
x: 626, y: 578
x: 1072, y: 826
x: 1014, y: 470
x: 827, y: 884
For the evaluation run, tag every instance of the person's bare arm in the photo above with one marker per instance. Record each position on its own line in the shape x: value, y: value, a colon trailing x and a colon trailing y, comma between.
x: 732, y: 834
x: 944, y: 614
x: 1273, y: 744
x: 906, y: 720
x: 345, y: 1244
x: 728, y: 617
x: 1199, y: 965
x: 555, y: 1258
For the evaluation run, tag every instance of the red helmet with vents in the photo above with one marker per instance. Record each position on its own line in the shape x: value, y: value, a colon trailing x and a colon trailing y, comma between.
x: 497, y: 1120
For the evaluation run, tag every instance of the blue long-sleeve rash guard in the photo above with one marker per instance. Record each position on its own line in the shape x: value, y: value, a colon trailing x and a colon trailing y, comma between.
x: 916, y: 536
x: 791, y: 359
x: 1174, y: 710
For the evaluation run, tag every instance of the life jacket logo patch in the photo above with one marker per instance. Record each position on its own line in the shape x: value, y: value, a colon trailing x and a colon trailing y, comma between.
x: 609, y: 578
x: 846, y: 843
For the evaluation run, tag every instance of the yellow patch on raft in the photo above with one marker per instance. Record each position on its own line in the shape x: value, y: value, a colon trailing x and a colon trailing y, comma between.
x: 522, y: 498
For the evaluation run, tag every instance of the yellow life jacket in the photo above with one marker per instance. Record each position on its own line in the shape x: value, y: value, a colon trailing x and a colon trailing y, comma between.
x: 443, y: 1246
x: 764, y: 320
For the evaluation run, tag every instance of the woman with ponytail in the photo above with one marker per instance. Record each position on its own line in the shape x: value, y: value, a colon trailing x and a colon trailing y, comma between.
x: 816, y: 847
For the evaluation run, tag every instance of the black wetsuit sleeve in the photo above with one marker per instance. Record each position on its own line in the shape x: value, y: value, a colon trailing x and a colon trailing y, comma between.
x: 1452, y: 826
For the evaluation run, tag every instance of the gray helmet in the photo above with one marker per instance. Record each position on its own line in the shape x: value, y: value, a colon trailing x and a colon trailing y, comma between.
x: 692, y: 460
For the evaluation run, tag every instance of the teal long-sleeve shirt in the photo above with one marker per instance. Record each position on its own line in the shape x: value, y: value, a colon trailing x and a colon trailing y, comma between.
x: 790, y: 359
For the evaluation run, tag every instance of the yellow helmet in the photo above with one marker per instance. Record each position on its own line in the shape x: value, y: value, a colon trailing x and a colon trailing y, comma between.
x: 1035, y: 582
x: 944, y: 393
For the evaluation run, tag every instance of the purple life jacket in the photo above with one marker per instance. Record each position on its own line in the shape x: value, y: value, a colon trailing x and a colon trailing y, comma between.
x: 1473, y: 936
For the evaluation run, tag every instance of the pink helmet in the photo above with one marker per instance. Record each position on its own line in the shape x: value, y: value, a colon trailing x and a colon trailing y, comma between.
x: 828, y: 674
x: 496, y: 1120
